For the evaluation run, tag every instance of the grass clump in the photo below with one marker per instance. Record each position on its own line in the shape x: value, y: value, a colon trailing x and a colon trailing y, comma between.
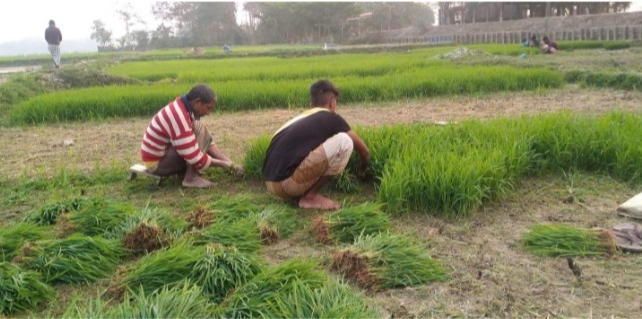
x: 14, y: 236
x: 21, y: 290
x: 384, y: 261
x: 558, y: 240
x: 76, y: 259
x: 347, y: 224
x: 216, y: 269
x: 294, y: 289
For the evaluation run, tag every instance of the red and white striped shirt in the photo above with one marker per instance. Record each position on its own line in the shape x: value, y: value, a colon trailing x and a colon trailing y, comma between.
x: 172, y: 125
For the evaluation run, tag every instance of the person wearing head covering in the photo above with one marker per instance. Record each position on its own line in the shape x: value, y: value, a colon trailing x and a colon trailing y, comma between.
x: 311, y: 148
x: 177, y: 143
x: 54, y: 37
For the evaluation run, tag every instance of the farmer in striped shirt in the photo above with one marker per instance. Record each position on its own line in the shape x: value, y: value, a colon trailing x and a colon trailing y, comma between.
x: 177, y: 143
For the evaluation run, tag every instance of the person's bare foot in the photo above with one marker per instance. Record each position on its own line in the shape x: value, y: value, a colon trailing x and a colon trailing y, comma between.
x: 197, y: 182
x: 318, y: 202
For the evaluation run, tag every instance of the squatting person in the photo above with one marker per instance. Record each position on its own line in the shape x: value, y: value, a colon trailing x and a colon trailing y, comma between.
x: 176, y: 142
x: 311, y: 148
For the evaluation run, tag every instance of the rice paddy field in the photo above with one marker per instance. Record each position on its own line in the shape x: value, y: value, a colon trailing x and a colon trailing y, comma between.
x: 495, y: 173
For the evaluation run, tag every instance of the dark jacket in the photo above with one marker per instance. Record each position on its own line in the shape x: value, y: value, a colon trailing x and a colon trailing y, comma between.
x: 53, y: 35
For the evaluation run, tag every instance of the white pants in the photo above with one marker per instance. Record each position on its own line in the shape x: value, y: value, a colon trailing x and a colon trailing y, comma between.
x: 54, y: 49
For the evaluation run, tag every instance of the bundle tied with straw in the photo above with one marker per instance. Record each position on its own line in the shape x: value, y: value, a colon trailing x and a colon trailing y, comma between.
x: 559, y: 240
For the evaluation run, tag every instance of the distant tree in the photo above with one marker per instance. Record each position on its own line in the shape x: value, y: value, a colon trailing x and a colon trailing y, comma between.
x: 141, y: 37
x: 101, y: 35
x: 129, y: 18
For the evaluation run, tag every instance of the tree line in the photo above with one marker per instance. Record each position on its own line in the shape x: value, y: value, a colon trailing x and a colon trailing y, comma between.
x: 199, y: 24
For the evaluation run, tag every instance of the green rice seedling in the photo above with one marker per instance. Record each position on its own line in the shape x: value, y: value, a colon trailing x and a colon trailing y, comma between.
x: 216, y: 269
x: 162, y: 267
x: 384, y: 261
x: 224, y: 269
x: 332, y: 300
x: 257, y: 296
x: 275, y: 222
x: 148, y: 230
x: 231, y: 209
x: 21, y: 290
x: 254, y: 156
x: 178, y: 301
x: 83, y: 308
x: 559, y: 240
x: 76, y: 259
x: 617, y: 45
x: 432, y: 80
x: 48, y: 213
x: 14, y: 236
x: 100, y: 217
x: 242, y: 234
x: 349, y: 223
x: 347, y: 182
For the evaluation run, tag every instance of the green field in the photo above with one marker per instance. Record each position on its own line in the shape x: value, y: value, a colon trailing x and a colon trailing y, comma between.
x: 459, y: 219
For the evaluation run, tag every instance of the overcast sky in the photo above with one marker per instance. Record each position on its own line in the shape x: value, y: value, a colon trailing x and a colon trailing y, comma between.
x: 23, y: 19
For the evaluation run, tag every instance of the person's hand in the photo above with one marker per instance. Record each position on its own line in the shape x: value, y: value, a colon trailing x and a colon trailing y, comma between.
x: 237, y: 170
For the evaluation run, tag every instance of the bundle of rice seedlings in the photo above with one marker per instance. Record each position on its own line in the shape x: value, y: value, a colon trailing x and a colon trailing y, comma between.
x: 48, y: 214
x: 200, y: 218
x: 256, y: 297
x: 75, y: 259
x: 223, y: 269
x: 83, y: 308
x: 101, y: 217
x: 14, y: 236
x: 182, y: 301
x: 344, y: 225
x: 558, y: 240
x: 218, y: 270
x: 332, y: 300
x: 272, y: 222
x: 383, y: 261
x: 347, y: 182
x: 21, y: 290
x: 166, y: 266
x: 149, y: 230
x: 231, y: 209
x: 242, y: 234
x: 275, y: 222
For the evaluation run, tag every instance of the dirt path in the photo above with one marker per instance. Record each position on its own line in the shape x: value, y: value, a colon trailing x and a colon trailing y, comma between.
x: 38, y: 150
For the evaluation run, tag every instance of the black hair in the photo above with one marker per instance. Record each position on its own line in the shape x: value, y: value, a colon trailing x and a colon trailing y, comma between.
x: 51, y: 22
x: 322, y: 92
x: 545, y: 39
x: 202, y: 92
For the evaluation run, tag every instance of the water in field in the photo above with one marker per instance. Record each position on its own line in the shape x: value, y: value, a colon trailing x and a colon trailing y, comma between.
x: 19, y: 69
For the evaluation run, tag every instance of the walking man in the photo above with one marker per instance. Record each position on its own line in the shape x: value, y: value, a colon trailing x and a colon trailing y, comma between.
x: 54, y: 37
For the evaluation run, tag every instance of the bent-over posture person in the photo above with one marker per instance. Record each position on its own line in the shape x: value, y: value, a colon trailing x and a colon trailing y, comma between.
x: 176, y: 142
x: 549, y: 46
x: 311, y: 148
